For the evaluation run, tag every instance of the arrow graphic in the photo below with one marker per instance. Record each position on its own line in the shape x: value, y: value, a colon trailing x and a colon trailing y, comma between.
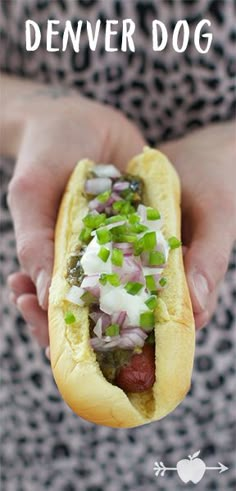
x: 222, y: 468
x: 161, y: 468
x: 189, y: 470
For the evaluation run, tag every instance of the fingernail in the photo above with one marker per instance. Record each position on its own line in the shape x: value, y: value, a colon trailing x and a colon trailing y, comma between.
x: 42, y: 288
x: 47, y: 353
x: 201, y: 290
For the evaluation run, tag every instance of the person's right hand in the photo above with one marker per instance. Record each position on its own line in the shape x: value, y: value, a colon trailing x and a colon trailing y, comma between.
x: 55, y: 134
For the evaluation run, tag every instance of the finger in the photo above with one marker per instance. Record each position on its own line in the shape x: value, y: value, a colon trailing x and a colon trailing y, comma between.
x: 20, y: 283
x: 47, y: 353
x: 202, y: 319
x: 35, y: 316
x: 206, y: 259
x: 34, y: 213
x: 125, y: 142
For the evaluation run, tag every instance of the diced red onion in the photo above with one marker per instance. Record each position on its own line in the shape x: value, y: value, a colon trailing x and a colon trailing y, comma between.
x: 104, y: 344
x: 98, y: 185
x: 98, y: 328
x: 132, y: 337
x: 95, y: 316
x: 131, y: 270
x: 106, y: 321
x: 120, y: 186
x: 95, y: 204
x: 74, y: 295
x: 137, y: 330
x: 91, y: 284
x: 106, y: 170
x: 127, y: 248
x: 114, y: 197
x: 119, y: 318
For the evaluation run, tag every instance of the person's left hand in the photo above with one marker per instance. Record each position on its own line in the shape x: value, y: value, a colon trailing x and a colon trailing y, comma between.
x: 205, y: 161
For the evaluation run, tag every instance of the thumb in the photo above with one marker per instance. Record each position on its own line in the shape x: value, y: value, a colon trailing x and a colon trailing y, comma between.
x: 206, y: 259
x: 33, y: 200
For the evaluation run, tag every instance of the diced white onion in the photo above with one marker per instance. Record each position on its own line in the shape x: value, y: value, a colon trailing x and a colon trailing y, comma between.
x: 106, y: 170
x: 98, y: 185
x: 74, y: 295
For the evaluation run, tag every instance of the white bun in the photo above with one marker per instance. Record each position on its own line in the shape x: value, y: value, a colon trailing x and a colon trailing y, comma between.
x: 77, y: 374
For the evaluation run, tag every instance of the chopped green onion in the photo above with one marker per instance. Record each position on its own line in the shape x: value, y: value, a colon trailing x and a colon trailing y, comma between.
x: 174, y: 242
x: 153, y: 214
x: 128, y: 194
x: 151, y: 302
x: 134, y: 218
x: 113, y: 279
x: 88, y: 298
x: 69, y: 318
x: 117, y: 257
x: 128, y: 209
x: 147, y: 320
x: 112, y: 330
x: 85, y: 235
x: 103, y: 278
x: 115, y: 218
x: 118, y: 205
x: 150, y: 283
x: 151, y: 338
x: 103, y: 236
x: 94, y: 221
x: 156, y: 258
x: 163, y: 281
x: 133, y: 287
x: 138, y: 247
x: 138, y: 228
x: 104, y: 254
x: 125, y: 238
x: 120, y: 229
x: 123, y: 207
x: 103, y: 197
x: 149, y: 241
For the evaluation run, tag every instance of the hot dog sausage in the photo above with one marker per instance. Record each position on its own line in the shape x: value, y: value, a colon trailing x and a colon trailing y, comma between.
x: 139, y: 374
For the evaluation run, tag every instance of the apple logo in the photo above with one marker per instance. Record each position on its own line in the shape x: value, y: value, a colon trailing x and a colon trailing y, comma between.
x: 192, y: 469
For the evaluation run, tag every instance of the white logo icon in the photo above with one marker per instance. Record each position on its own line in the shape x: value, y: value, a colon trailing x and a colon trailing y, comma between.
x: 191, y: 469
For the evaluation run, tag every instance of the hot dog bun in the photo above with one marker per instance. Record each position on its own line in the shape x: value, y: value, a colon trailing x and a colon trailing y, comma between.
x: 77, y: 374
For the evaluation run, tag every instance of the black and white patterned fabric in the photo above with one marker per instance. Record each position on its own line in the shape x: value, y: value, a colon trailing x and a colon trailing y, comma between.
x: 43, y: 444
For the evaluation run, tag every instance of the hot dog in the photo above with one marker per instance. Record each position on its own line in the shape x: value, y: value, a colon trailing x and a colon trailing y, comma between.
x: 120, y: 318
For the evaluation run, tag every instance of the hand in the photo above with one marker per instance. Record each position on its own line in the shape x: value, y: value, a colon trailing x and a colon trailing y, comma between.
x: 205, y: 161
x: 55, y: 134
